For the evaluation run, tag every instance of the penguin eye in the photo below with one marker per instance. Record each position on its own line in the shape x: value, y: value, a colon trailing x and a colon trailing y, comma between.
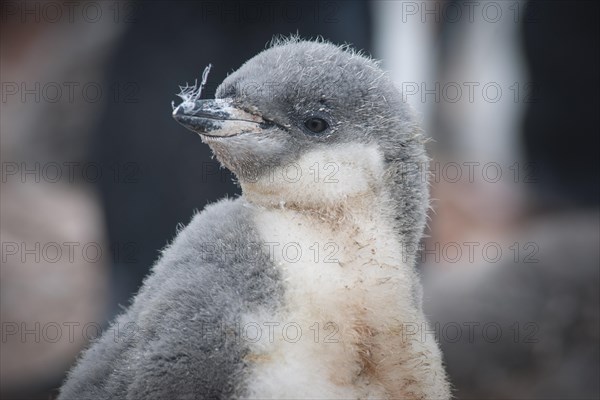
x: 316, y: 125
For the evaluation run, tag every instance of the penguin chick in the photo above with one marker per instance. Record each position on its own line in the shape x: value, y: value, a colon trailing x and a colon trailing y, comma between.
x: 304, y: 286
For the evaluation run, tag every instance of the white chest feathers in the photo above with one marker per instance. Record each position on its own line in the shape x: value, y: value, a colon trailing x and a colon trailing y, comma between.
x: 348, y: 293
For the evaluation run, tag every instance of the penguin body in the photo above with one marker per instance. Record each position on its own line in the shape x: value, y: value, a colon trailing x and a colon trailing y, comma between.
x: 180, y: 337
x: 305, y: 285
x: 347, y: 290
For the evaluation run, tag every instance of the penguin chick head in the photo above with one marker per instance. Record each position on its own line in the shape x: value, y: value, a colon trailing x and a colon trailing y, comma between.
x: 313, y: 123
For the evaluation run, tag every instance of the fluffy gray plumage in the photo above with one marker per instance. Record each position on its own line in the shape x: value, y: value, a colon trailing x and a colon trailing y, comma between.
x: 193, y: 292
x: 178, y: 339
x: 294, y: 80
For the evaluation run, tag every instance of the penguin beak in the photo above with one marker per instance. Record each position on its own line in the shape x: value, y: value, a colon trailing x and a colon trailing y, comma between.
x: 216, y: 118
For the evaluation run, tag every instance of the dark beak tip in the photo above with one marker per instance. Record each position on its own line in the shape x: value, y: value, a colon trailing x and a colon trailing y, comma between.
x: 204, y: 116
x: 178, y: 112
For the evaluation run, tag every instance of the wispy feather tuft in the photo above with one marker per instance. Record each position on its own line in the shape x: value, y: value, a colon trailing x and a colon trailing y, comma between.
x: 191, y: 94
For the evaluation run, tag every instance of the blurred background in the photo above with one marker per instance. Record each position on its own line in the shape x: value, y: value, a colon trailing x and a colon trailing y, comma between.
x: 96, y: 176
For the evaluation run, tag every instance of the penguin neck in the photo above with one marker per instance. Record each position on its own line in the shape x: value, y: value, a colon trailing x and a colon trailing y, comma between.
x: 334, y: 212
x: 331, y: 184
